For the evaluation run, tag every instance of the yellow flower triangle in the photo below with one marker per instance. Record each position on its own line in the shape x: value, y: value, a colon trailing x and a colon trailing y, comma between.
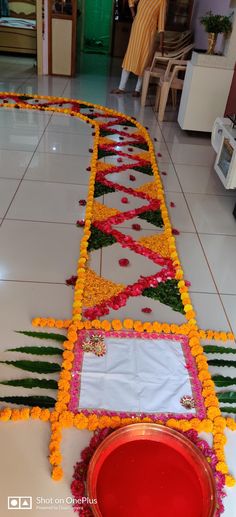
x: 157, y: 243
x: 102, y: 212
x: 98, y: 289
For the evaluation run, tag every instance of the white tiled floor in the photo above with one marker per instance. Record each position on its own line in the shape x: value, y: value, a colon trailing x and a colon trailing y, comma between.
x: 43, y: 161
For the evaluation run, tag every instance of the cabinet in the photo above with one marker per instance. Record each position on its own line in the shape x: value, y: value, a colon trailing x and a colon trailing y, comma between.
x: 62, y: 17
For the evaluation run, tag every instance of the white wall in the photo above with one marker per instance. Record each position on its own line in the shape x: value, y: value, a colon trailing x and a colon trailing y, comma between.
x: 201, y: 7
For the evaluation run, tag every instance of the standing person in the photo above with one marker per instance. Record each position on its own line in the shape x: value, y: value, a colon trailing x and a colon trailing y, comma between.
x: 150, y: 17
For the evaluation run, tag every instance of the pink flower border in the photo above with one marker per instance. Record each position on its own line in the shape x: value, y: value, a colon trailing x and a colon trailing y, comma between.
x: 190, y: 365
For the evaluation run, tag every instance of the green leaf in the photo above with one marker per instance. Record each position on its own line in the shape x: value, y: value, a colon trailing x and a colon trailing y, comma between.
x: 35, y: 366
x: 153, y: 217
x: 101, y: 189
x: 145, y: 169
x: 43, y: 335
x: 37, y: 400
x: 225, y: 409
x: 167, y: 293
x: 220, y: 380
x: 99, y: 239
x: 212, y: 349
x: 221, y: 362
x: 227, y: 396
x: 37, y: 350
x: 104, y: 152
x: 49, y: 384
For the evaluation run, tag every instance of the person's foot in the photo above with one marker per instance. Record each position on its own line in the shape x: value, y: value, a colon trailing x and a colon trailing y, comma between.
x: 136, y: 94
x: 117, y: 91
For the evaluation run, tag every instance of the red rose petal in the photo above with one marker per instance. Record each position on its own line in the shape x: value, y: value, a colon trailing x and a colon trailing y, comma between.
x: 159, y: 155
x: 81, y: 223
x: 146, y: 310
x: 88, y: 169
x: 124, y: 200
x: 82, y: 202
x: 136, y: 227
x: 124, y: 262
x: 130, y: 149
x: 175, y: 231
x: 132, y: 177
x: 119, y: 160
x: 164, y: 173
x: 172, y: 204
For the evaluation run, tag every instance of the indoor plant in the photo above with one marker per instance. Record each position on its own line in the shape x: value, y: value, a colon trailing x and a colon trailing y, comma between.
x: 215, y: 24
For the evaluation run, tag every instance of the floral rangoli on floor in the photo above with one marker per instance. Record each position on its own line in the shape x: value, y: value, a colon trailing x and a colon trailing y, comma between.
x: 129, y: 221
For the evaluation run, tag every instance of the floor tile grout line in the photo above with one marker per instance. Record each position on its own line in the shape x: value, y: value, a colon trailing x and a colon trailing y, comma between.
x: 32, y: 281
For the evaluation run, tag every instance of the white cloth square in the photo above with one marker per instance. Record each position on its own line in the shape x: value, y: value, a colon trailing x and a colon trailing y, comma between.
x: 136, y: 375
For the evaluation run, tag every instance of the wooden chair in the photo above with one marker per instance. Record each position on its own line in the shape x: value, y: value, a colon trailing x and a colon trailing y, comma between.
x: 170, y: 81
x: 159, y: 66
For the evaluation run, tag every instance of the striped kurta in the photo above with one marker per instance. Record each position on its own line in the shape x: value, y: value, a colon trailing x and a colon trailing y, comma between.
x: 150, y: 17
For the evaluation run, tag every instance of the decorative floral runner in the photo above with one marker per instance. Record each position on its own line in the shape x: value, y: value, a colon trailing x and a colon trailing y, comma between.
x: 131, y: 221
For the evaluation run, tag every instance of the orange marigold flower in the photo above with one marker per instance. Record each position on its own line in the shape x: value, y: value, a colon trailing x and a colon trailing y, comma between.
x: 211, y: 401
x: 104, y: 421
x: 116, y: 324
x: 67, y: 365
x: 5, y: 414
x: 105, y: 325
x: 96, y: 324
x: 72, y: 336
x: 59, y: 324
x: 206, y: 425
x: 128, y: 324
x: 54, y: 445
x: 81, y: 421
x: 65, y: 375
x: 67, y: 419
x: 67, y: 354
x: 114, y: 422
x: 56, y: 436
x: 57, y: 473
x: 92, y: 422
x: 45, y: 415
x: 35, y: 412
x: 55, y: 458
x: 68, y: 345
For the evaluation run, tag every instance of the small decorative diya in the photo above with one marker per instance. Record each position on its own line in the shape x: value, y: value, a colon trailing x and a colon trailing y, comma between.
x: 148, y: 469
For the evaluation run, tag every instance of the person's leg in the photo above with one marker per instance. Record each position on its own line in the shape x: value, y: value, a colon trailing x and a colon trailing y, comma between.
x: 123, y: 81
x: 138, y: 87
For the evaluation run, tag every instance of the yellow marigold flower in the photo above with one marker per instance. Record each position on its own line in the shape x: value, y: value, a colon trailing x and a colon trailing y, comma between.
x: 212, y: 412
x: 229, y: 481
x: 57, y: 473
x: 128, y: 324
x: 222, y: 467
